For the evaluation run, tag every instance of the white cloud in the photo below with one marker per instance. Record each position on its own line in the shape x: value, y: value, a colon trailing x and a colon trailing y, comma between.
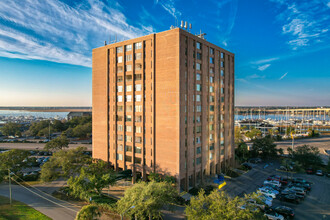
x: 169, y: 6
x: 264, y: 67
x: 262, y: 61
x: 284, y: 75
x: 303, y: 22
x: 52, y: 30
x: 328, y: 4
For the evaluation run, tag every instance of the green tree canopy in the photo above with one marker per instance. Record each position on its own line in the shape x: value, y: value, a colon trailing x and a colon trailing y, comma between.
x: 92, y: 179
x: 57, y: 144
x: 64, y: 163
x: 306, y: 155
x: 218, y: 205
x: 147, y: 198
x: 88, y: 212
x: 11, y: 129
x: 13, y: 159
x: 264, y: 147
x: 242, y: 151
x: 253, y: 134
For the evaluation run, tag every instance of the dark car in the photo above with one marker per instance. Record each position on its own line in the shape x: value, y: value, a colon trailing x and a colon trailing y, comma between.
x: 290, y: 198
x: 300, y: 180
x: 247, y: 166
x: 291, y: 192
x: 309, y: 171
x: 255, y: 160
x: 306, y: 186
x: 283, y: 181
x: 287, y: 212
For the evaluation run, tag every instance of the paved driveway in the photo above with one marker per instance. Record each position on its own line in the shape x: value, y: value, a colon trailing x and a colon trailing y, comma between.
x: 53, y: 208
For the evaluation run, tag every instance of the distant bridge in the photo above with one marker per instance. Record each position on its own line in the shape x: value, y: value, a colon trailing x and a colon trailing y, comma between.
x: 48, y: 109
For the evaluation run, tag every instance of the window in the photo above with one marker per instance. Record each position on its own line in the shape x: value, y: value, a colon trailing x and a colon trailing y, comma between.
x: 198, y: 76
x: 138, y: 150
x: 222, y: 64
x: 119, y: 118
x: 138, y: 108
x: 211, y: 137
x: 128, y: 118
x: 222, y: 99
x: 198, y: 119
x: 119, y: 69
x: 212, y: 108
x: 120, y: 108
x: 120, y: 147
x: 129, y: 78
x: 199, y: 56
x: 138, y: 66
x: 138, y: 118
x: 211, y: 51
x: 198, y: 66
x: 222, y: 72
x: 138, y: 77
x: 198, y: 160
x: 138, y: 87
x: 129, y: 128
x: 198, y: 45
x: 128, y: 98
x: 120, y: 137
x: 128, y: 158
x: 138, y: 98
x: 119, y: 78
x: 129, y: 88
x: 198, y: 150
x: 119, y: 88
x: 198, y: 140
x: 211, y: 98
x: 212, y: 147
x: 198, y: 98
x: 137, y: 160
x: 211, y: 79
x: 128, y: 47
x: 128, y: 57
x: 138, y: 45
x: 128, y: 67
x: 128, y: 138
x: 138, y: 139
x: 211, y: 89
x: 138, y: 56
x: 138, y: 129
x: 198, y: 108
x: 198, y: 129
x: 119, y: 98
x: 128, y: 148
x: 211, y: 60
x: 222, y: 90
x: 129, y: 108
x: 119, y: 157
x: 120, y: 59
x: 211, y: 156
x: 222, y: 55
x: 198, y: 87
x: 211, y: 118
x: 120, y: 128
x: 119, y: 49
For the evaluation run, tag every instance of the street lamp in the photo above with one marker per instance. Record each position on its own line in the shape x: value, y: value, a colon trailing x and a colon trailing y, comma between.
x: 122, y: 215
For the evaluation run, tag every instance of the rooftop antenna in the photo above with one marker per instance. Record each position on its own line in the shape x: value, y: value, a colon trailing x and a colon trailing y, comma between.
x: 186, y: 25
x: 190, y: 26
x: 105, y: 43
x: 181, y: 24
x: 116, y: 38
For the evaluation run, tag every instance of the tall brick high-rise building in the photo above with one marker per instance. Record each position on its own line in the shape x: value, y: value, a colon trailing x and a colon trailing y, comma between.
x: 164, y: 103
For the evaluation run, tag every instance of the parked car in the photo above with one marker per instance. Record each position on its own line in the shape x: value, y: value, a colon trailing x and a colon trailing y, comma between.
x: 247, y: 166
x: 319, y: 173
x: 310, y: 171
x: 282, y: 180
x: 269, y: 189
x: 255, y: 160
x: 300, y: 196
x: 287, y: 212
x: 271, y: 214
x: 273, y: 182
x: 300, y: 180
x: 261, y: 205
x: 272, y: 186
x: 267, y: 192
x: 290, y: 198
x: 298, y: 190
x: 306, y: 186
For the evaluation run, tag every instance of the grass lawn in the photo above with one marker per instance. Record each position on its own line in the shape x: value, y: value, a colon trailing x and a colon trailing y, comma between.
x: 18, y: 210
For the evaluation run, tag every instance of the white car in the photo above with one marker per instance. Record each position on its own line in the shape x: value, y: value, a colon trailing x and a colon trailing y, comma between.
x: 273, y: 182
x: 273, y: 215
x: 267, y: 200
x: 270, y: 189
x: 260, y: 205
x: 267, y: 193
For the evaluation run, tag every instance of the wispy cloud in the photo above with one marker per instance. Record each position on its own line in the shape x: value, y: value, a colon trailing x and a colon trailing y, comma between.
x: 304, y: 22
x: 264, y: 67
x: 52, y: 30
x: 262, y: 61
x: 169, y: 6
x: 284, y: 75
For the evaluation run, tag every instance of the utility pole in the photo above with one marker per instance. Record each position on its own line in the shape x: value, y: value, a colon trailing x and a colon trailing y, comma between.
x: 9, y: 186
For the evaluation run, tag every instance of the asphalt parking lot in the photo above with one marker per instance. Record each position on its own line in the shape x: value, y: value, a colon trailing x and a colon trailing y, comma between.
x: 315, y: 206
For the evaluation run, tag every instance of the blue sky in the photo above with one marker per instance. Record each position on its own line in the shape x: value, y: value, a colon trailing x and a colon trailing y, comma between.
x: 282, y: 47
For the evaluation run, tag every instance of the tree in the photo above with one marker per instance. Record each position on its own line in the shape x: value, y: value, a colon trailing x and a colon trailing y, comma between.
x: 57, y: 144
x: 238, y: 135
x: 313, y: 133
x: 64, y: 163
x: 13, y: 160
x: 264, y: 147
x: 82, y: 131
x: 11, y: 129
x: 88, y: 212
x: 40, y: 128
x: 290, y: 130
x: 242, y: 151
x: 253, y: 134
x: 306, y: 155
x: 218, y: 205
x: 92, y: 179
x: 147, y: 198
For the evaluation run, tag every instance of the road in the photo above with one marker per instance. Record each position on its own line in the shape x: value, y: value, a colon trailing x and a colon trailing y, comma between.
x: 315, y: 206
x: 48, y: 205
